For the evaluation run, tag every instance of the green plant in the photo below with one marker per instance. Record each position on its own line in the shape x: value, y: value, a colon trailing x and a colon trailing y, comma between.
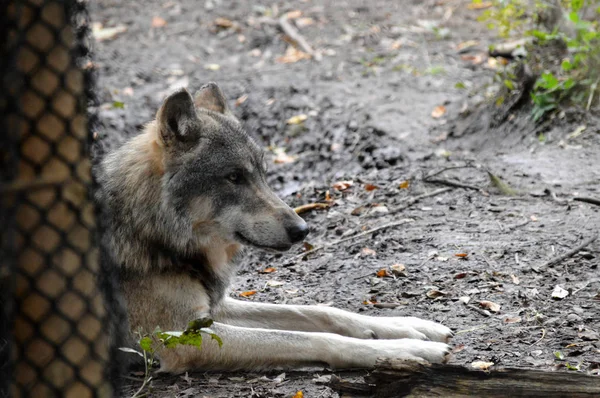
x: 576, y: 80
x: 191, y: 336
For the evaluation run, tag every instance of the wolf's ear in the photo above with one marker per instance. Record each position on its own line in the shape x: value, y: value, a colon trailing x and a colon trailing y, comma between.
x: 177, y: 118
x: 212, y: 98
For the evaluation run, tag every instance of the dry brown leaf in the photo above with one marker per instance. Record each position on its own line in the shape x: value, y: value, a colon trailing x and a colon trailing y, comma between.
x: 438, y: 111
x: 307, y: 246
x: 383, y: 273
x: 297, y: 119
x: 293, y: 14
x: 342, y: 185
x: 292, y: 54
x: 223, y: 23
x: 368, y: 252
x: 241, y: 100
x: 371, y: 187
x: 268, y: 270
x: 482, y: 365
x: 461, y: 275
x: 458, y: 348
x: 480, y: 5
x: 489, y: 305
x: 461, y: 255
x: 311, y: 206
x: 158, y: 22
x: 358, y: 211
x: 404, y: 184
x: 328, y: 197
x: 398, y: 269
x: 248, y: 293
x: 474, y: 59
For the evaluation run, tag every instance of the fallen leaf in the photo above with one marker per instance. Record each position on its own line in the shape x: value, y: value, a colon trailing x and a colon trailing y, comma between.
x: 101, y: 33
x: 383, y: 273
x: 293, y: 14
x: 399, y: 270
x: 516, y: 319
x: 307, y: 246
x: 458, y: 348
x: 481, y: 365
x: 311, y: 206
x: 435, y: 294
x: 299, y: 394
x: 302, y: 22
x: 501, y: 185
x: 268, y: 270
x: 489, y: 305
x: 474, y: 59
x: 158, y: 22
x: 461, y: 275
x: 371, y: 187
x: 322, y: 379
x: 241, y: 100
x: 274, y: 283
x: 328, y: 197
x: 281, y: 157
x: 533, y: 218
x: 404, y: 184
x: 461, y: 255
x: 212, y: 67
x: 368, y: 252
x: 223, y: 23
x: 464, y: 299
x: 292, y: 54
x: 342, y: 185
x: 297, y: 119
x: 479, y: 5
x: 559, y: 293
x: 279, y: 378
x: 248, y: 293
x: 578, y: 131
x: 467, y: 44
x: 438, y: 111
x: 515, y: 279
x: 559, y: 355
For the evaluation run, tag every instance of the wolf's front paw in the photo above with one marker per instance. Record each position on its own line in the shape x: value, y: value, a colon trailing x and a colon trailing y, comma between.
x: 395, y: 328
x: 418, y: 350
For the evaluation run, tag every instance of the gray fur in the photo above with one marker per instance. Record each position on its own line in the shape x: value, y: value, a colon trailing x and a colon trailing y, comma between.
x: 181, y: 199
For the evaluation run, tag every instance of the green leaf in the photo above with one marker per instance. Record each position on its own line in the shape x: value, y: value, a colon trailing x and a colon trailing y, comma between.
x: 460, y: 86
x: 118, y: 105
x: 509, y: 84
x: 566, y: 65
x: 217, y: 338
x: 542, y: 137
x: 146, y: 344
x: 559, y: 355
x: 200, y: 323
x: 574, y: 17
x: 576, y: 5
x: 501, y: 185
x: 571, y: 367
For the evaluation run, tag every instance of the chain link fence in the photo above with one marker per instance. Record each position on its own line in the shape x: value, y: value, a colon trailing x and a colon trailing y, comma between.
x: 58, y: 303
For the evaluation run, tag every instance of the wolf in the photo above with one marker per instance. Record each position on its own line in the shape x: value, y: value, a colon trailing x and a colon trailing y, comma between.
x: 181, y: 199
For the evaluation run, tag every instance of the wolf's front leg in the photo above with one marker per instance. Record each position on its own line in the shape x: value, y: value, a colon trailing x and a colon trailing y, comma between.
x: 310, y: 318
x: 254, y: 349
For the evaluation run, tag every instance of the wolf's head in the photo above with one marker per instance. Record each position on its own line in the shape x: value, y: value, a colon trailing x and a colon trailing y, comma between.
x: 214, y: 174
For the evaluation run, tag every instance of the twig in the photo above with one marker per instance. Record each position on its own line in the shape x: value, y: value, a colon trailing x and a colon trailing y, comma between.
x: 593, y: 201
x: 519, y: 225
x: 311, y: 206
x: 293, y: 34
x: 467, y: 166
x: 541, y: 338
x: 364, y: 233
x: 570, y: 253
x: 450, y: 183
x: 592, y: 90
x: 481, y: 311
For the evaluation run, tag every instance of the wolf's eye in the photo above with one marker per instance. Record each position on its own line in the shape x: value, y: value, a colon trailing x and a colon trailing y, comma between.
x: 235, y: 177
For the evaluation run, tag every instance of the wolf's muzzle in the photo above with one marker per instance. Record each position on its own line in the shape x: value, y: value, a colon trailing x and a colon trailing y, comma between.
x: 297, y: 232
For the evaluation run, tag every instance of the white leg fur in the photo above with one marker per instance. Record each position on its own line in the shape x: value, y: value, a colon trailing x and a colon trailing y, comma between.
x: 326, y: 319
x: 253, y: 349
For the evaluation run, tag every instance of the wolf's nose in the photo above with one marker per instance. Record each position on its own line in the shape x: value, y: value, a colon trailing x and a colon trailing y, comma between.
x: 297, y: 232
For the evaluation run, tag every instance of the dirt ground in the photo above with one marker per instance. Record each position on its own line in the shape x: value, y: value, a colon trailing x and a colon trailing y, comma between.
x: 370, y: 104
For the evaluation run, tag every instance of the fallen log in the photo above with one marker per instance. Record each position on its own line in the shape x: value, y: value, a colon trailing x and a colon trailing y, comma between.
x: 408, y: 378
